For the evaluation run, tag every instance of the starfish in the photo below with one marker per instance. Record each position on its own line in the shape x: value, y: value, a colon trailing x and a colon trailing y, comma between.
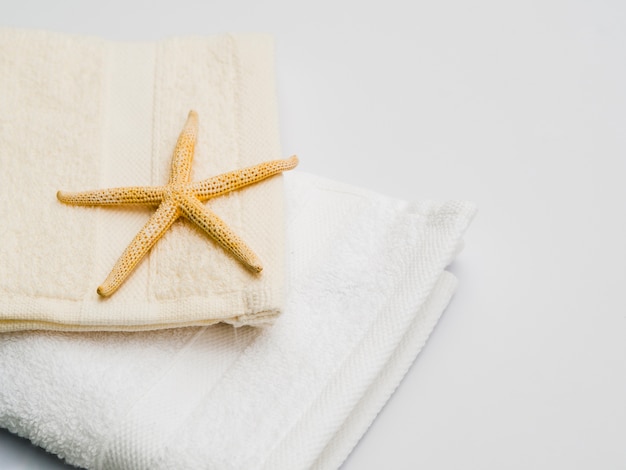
x: 179, y: 197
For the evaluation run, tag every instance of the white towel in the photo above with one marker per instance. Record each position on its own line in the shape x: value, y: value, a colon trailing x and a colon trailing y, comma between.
x: 367, y: 283
x: 80, y: 113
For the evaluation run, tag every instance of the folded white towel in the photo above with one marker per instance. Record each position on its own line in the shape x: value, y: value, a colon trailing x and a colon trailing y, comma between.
x: 366, y: 286
x: 82, y: 113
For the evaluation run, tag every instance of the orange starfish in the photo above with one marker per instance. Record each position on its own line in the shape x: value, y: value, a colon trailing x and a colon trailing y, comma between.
x: 179, y: 197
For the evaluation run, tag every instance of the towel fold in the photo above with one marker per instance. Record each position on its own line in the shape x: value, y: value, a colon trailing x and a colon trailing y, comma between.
x: 82, y: 113
x: 366, y: 285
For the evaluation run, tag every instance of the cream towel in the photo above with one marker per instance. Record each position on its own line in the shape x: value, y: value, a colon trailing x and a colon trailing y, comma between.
x: 82, y: 113
x: 366, y: 286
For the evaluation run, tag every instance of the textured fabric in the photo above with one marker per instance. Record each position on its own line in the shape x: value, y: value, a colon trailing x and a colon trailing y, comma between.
x: 366, y: 285
x: 82, y: 113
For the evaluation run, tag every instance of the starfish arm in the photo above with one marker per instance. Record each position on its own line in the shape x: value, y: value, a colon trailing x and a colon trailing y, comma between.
x: 183, y: 153
x: 154, y: 229
x: 233, y: 180
x: 144, y: 195
x: 195, y: 211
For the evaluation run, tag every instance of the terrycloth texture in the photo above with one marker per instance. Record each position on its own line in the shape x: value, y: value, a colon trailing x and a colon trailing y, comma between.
x: 366, y: 286
x: 82, y: 113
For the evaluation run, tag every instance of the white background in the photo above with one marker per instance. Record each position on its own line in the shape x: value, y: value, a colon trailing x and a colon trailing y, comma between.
x: 518, y: 106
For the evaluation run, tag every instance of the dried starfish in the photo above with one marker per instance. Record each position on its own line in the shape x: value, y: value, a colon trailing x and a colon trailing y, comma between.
x: 179, y: 197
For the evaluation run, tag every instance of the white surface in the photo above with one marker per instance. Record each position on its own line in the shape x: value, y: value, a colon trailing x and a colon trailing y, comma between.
x: 527, y: 368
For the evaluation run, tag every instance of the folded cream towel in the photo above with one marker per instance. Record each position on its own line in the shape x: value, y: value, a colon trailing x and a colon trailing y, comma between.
x: 82, y: 113
x: 366, y: 286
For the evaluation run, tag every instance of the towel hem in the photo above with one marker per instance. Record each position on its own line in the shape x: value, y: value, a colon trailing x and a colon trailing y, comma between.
x: 32, y: 313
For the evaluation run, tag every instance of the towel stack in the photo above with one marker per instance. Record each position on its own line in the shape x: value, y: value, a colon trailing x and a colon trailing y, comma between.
x: 365, y: 274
